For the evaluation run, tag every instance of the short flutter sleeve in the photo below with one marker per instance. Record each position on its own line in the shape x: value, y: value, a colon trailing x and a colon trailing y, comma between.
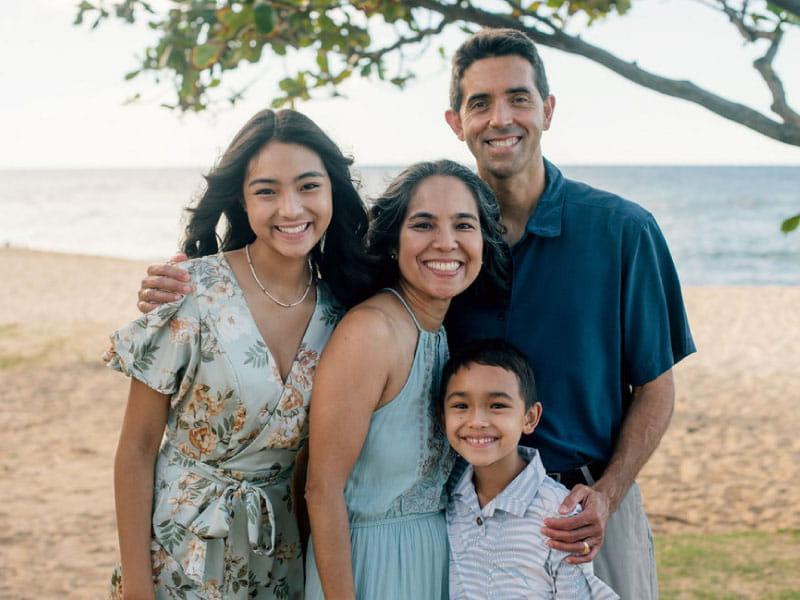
x: 161, y: 348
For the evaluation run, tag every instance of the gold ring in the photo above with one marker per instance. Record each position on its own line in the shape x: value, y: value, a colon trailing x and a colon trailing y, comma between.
x: 586, y: 548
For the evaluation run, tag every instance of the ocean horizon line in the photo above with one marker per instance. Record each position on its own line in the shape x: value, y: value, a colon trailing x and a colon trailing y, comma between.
x: 400, y: 165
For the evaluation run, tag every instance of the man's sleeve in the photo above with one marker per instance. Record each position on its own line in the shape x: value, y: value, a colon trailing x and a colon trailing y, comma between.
x: 655, y: 327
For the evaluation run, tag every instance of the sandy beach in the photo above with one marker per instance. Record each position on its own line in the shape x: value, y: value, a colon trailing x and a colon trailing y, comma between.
x: 730, y: 461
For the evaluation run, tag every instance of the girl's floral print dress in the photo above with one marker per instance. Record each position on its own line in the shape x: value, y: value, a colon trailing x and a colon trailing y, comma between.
x: 223, y: 525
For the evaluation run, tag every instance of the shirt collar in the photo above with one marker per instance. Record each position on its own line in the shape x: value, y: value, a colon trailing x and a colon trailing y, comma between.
x: 546, y: 219
x: 517, y: 495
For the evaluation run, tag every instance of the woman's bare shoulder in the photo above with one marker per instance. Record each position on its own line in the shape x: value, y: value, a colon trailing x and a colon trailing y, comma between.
x: 375, y: 318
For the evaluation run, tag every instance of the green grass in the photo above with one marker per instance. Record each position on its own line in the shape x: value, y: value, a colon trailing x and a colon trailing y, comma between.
x: 729, y: 566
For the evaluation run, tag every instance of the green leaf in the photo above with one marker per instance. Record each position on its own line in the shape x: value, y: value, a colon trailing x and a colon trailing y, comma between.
x: 790, y: 224
x: 131, y: 74
x: 204, y: 56
x: 264, y: 17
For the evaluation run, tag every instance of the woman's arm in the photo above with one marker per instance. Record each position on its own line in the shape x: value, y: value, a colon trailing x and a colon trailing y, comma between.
x: 139, y: 441
x: 350, y: 380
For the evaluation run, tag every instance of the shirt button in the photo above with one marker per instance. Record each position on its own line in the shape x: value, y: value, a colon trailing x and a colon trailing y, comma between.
x: 479, y: 521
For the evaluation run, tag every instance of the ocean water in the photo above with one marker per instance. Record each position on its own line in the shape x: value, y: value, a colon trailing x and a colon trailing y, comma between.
x: 722, y: 223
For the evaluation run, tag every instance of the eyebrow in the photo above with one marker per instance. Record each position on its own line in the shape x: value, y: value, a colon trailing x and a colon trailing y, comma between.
x: 508, y: 92
x: 305, y: 175
x: 427, y: 215
x: 492, y: 394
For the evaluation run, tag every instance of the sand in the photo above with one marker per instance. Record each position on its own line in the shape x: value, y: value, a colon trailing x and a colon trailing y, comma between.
x: 730, y: 460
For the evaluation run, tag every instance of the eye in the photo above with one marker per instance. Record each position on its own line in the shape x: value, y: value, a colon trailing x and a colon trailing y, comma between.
x: 478, y: 105
x: 265, y: 192
x: 465, y: 226
x: 422, y: 226
x: 521, y: 99
x: 458, y: 406
x: 310, y: 185
x: 499, y: 405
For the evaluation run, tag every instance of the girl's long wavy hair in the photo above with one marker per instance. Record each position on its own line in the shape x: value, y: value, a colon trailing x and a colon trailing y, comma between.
x: 341, y: 261
x: 389, y: 211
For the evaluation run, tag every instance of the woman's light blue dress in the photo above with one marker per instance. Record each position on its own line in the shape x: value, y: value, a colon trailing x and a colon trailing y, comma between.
x: 395, y: 494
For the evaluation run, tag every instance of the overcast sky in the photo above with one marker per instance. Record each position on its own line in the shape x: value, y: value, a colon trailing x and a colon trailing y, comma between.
x: 62, y: 98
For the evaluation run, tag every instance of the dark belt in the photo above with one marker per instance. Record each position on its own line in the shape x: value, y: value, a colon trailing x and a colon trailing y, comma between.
x: 572, y: 478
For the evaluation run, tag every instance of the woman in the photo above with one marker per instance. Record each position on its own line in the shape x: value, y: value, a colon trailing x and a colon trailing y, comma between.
x: 378, y: 459
x: 226, y: 370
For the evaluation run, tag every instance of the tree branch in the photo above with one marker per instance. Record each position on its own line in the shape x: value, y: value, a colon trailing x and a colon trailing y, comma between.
x: 751, y: 34
x: 787, y: 132
x: 764, y: 66
x: 376, y: 55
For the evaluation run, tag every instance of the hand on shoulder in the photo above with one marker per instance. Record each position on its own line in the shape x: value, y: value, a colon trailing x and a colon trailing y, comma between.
x: 165, y: 282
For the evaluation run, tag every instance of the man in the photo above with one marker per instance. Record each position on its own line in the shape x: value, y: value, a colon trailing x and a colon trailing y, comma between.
x: 595, y: 305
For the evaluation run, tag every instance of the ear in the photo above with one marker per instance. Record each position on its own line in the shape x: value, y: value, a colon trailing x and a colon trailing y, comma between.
x: 532, y: 418
x: 454, y: 120
x: 549, y: 109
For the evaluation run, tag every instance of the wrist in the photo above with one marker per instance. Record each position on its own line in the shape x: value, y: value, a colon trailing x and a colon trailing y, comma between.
x: 612, y: 490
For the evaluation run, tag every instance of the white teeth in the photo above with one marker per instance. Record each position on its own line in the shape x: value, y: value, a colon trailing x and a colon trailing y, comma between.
x: 295, y: 229
x: 504, y: 143
x: 480, y: 440
x: 440, y: 265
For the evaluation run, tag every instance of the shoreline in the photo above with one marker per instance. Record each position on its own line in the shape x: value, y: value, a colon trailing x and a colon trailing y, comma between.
x: 730, y: 460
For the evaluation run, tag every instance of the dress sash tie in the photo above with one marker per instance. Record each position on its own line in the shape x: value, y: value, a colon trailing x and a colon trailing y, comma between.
x: 210, y: 517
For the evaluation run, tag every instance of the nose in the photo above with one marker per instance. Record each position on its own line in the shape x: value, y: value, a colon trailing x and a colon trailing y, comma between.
x: 501, y: 115
x: 289, y: 205
x: 445, y: 240
x: 476, y: 418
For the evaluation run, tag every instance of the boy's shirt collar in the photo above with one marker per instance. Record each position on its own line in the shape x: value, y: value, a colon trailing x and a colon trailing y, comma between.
x: 517, y: 495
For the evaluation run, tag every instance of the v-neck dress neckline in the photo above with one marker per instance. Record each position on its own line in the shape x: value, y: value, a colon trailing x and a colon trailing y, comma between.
x: 283, y: 381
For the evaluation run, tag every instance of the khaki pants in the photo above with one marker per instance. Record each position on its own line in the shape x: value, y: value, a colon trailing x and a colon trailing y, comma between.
x: 626, y: 561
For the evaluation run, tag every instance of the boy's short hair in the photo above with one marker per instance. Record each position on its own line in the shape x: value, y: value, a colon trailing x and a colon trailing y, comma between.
x: 491, y: 353
x: 491, y: 43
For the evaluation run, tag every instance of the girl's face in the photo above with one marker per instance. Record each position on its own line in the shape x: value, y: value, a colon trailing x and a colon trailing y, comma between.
x: 440, y: 245
x: 288, y: 198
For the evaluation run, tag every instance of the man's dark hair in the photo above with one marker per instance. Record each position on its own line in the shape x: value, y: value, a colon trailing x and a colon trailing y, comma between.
x: 489, y: 43
x: 491, y: 353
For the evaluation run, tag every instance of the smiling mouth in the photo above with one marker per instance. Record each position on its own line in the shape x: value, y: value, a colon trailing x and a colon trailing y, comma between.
x: 444, y: 266
x: 479, y: 442
x: 504, y: 142
x: 294, y: 229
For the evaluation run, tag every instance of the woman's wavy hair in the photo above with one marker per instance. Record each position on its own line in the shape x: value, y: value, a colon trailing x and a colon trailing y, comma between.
x: 341, y: 261
x: 388, y: 213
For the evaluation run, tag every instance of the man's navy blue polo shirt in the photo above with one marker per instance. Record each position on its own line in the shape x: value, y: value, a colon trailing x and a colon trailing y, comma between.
x: 595, y: 304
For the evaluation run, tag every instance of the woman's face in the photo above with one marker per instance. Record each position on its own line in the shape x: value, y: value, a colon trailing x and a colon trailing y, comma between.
x: 288, y: 198
x: 440, y: 245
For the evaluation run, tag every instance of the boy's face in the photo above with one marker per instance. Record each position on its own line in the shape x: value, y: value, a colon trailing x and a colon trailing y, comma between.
x: 484, y: 414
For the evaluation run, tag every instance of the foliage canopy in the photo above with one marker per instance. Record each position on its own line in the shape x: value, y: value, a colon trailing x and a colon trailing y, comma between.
x: 198, y: 41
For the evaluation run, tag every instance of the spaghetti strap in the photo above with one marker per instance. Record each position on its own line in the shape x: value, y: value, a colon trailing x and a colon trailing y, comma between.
x: 405, y: 305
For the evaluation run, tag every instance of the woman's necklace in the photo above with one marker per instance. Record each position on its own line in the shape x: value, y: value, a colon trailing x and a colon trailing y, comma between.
x: 270, y: 296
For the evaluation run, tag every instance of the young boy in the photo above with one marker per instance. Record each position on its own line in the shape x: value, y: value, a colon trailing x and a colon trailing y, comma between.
x: 498, y: 504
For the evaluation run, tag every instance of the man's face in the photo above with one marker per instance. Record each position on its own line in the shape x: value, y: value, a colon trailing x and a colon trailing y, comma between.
x: 502, y: 116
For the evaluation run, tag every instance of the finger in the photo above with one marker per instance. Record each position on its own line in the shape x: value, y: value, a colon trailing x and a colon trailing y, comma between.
x: 145, y: 307
x: 564, y: 540
x: 154, y: 297
x: 578, y: 493
x: 583, y: 558
x: 164, y: 284
x: 179, y: 257
x: 168, y: 270
x: 587, y: 517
